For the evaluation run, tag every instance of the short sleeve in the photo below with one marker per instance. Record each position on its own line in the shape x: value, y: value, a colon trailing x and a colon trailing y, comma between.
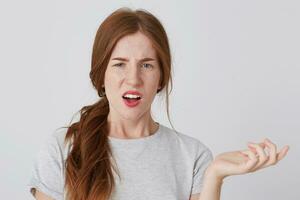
x: 46, y: 173
x: 203, y: 159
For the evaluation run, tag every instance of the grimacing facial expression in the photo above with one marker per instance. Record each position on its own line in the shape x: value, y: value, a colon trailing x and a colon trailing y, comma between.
x: 133, y: 65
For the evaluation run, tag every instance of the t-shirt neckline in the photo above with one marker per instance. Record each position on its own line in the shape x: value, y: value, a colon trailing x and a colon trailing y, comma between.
x: 137, y: 140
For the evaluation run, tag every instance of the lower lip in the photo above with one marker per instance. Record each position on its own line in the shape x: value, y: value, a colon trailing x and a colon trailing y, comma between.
x: 131, y: 103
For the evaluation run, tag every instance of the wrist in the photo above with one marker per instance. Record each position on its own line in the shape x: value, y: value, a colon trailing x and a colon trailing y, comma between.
x: 211, y: 176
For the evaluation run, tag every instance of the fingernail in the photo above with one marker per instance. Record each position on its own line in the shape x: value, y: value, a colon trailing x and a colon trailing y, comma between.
x: 288, y: 147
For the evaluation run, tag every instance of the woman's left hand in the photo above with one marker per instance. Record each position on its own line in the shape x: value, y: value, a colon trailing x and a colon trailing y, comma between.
x: 246, y: 161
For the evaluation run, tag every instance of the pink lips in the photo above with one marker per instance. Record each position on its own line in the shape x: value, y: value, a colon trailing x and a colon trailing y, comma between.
x: 129, y: 102
x: 132, y: 92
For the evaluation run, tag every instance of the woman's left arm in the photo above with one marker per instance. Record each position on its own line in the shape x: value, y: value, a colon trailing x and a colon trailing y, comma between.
x: 238, y: 162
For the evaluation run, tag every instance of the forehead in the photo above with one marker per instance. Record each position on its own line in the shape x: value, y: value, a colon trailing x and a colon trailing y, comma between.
x: 136, y: 45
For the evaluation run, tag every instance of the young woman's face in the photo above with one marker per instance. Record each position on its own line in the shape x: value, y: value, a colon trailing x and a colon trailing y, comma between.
x: 133, y: 66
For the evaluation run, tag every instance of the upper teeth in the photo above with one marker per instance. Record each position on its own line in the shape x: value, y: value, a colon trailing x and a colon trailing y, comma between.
x: 131, y: 96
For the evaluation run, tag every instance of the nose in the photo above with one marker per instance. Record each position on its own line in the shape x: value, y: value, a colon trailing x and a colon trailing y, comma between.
x: 133, y: 75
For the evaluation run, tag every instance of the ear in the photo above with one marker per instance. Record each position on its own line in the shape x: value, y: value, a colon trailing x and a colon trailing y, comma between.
x: 158, y: 89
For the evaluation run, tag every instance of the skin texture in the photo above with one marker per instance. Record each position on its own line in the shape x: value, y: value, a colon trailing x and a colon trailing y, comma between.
x: 256, y: 157
x: 121, y: 75
x: 124, y: 122
x: 41, y: 196
x: 126, y: 70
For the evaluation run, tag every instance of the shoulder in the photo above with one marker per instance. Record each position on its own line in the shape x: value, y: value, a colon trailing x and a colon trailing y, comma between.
x: 56, y: 141
x: 189, y: 143
x: 47, y: 174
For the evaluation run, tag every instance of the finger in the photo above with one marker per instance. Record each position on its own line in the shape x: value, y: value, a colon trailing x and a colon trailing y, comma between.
x: 253, y: 149
x: 262, y: 157
x: 249, y: 154
x: 252, y: 146
x: 272, y: 152
x: 283, y: 152
x: 251, y: 162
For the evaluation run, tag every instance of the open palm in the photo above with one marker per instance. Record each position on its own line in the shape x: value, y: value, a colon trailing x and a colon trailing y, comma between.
x: 249, y: 160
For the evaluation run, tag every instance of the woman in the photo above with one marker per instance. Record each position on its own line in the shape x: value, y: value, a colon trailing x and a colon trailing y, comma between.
x: 116, y: 150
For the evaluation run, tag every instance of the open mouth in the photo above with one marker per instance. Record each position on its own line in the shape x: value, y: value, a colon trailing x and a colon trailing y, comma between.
x: 131, y: 101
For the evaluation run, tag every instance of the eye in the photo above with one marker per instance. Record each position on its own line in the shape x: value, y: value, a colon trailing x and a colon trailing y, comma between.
x: 118, y: 64
x: 147, y: 65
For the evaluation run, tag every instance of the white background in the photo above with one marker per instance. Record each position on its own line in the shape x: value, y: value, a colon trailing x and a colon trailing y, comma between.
x: 236, y: 79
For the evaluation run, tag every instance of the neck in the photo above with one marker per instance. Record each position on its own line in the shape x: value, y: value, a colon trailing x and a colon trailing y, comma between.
x: 130, y: 129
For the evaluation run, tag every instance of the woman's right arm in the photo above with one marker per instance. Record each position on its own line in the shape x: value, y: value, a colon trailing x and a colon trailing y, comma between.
x: 41, y: 196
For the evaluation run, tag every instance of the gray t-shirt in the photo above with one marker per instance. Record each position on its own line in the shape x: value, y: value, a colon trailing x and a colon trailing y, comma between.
x: 166, y: 165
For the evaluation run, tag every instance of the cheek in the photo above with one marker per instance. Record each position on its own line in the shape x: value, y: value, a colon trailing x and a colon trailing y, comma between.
x: 111, y: 78
x: 153, y: 82
x: 113, y: 88
x: 157, y: 77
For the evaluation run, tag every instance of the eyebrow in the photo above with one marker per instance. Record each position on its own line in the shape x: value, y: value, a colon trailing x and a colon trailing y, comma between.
x: 126, y: 59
